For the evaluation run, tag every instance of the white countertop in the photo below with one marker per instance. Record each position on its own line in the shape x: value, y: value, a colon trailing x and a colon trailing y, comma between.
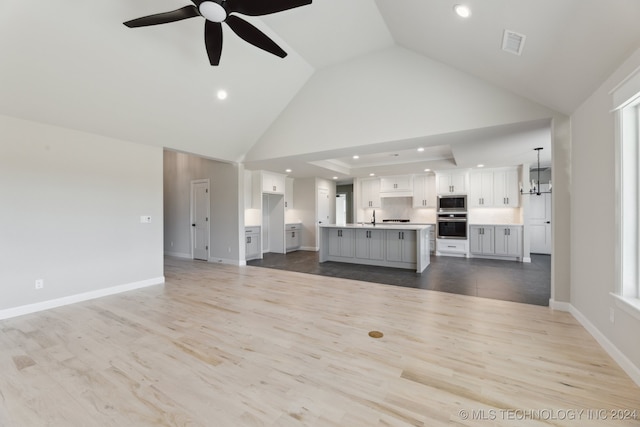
x: 380, y: 226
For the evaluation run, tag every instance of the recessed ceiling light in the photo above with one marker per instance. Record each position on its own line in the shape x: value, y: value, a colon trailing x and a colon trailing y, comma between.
x: 222, y: 94
x: 421, y: 149
x: 335, y: 177
x: 462, y: 10
x: 356, y: 157
x: 427, y: 170
x: 288, y: 171
x: 372, y: 174
x: 481, y: 165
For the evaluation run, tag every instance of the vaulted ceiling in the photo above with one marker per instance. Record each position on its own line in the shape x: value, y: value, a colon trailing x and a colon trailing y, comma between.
x: 372, y: 77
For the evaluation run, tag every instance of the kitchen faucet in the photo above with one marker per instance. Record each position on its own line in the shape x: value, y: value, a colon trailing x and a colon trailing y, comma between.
x: 373, y: 220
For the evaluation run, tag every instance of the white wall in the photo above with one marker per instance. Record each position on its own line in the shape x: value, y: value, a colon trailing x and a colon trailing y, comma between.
x: 592, y: 218
x: 226, y: 191
x: 388, y: 95
x: 70, y: 215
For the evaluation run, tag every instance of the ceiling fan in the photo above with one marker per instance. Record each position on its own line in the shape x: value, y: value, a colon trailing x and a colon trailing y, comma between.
x: 215, y: 12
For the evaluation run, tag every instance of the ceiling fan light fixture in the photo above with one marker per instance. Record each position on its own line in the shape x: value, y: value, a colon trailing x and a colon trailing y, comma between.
x: 462, y: 10
x: 212, y: 11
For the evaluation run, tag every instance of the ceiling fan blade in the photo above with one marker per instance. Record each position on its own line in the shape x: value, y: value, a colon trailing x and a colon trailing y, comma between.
x: 213, y: 41
x: 252, y: 35
x: 164, y: 18
x: 263, y: 7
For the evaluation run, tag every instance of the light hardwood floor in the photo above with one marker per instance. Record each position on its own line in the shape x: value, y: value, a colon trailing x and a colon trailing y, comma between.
x: 228, y: 346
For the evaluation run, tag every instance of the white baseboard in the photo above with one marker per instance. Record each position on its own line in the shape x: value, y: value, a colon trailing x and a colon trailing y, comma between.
x: 560, y: 306
x: 632, y: 370
x: 178, y: 255
x: 72, y: 299
x: 309, y: 248
x: 526, y: 259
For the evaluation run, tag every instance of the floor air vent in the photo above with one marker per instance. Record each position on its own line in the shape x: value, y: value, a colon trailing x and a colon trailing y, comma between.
x: 513, y: 42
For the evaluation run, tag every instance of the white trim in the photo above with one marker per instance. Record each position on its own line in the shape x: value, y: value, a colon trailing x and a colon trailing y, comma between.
x: 526, y: 259
x: 559, y: 305
x: 632, y: 370
x: 72, y: 299
x: 626, y: 92
x: 309, y: 248
x: 178, y: 255
x: 630, y: 305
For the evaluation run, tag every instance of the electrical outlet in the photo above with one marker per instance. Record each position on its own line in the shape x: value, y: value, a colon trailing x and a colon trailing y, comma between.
x: 39, y: 283
x: 145, y: 219
x: 612, y: 317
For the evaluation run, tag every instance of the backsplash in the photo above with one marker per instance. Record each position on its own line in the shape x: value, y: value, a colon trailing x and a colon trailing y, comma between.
x: 402, y: 208
x: 495, y: 216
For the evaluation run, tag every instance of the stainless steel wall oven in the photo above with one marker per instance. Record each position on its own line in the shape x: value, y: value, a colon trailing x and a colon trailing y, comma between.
x: 451, y: 225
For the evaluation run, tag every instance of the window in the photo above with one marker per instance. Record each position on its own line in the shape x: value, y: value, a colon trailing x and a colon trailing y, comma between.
x: 627, y: 107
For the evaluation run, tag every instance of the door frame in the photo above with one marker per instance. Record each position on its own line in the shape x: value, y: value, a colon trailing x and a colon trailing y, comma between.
x: 192, y: 215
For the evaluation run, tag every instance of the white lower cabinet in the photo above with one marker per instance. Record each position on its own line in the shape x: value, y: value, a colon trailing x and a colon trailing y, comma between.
x: 401, y: 246
x: 481, y: 239
x: 495, y: 241
x: 509, y: 241
x: 341, y: 242
x: 252, y: 243
x: 370, y: 244
x: 292, y: 236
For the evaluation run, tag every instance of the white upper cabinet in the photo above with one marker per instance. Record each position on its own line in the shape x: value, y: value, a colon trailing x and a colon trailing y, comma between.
x: 273, y: 182
x: 454, y: 182
x: 424, y: 191
x: 370, y: 193
x: 396, y: 186
x: 505, y: 188
x: 494, y: 188
x: 480, y: 189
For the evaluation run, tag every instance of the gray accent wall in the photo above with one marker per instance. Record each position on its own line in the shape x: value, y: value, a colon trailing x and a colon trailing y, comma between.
x: 70, y: 213
x: 227, y: 217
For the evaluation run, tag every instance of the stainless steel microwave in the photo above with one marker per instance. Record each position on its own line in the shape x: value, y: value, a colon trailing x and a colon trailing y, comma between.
x: 457, y: 203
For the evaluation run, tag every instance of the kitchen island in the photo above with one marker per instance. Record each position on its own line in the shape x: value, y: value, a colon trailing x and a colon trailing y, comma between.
x: 400, y: 246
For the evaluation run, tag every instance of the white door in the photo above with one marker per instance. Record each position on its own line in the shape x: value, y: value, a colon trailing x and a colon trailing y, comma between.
x: 540, y: 222
x: 323, y: 211
x: 324, y: 206
x: 200, y: 219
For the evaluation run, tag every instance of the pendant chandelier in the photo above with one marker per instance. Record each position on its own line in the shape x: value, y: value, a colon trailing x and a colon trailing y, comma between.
x: 535, y: 188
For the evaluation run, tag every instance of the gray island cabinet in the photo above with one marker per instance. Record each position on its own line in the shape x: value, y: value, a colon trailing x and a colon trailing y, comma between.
x: 405, y: 246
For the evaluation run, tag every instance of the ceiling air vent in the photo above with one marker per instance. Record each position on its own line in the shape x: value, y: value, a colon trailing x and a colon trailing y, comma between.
x: 513, y: 42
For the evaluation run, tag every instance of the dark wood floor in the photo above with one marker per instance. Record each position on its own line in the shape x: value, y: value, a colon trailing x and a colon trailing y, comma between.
x: 528, y: 283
